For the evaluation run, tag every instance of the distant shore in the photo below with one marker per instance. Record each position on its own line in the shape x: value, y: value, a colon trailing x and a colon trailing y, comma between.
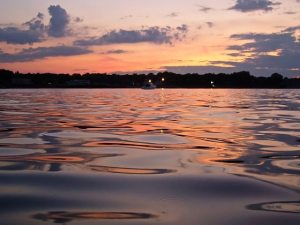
x: 243, y: 79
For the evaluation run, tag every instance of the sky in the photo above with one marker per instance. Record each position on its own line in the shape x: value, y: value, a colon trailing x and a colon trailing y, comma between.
x: 142, y: 36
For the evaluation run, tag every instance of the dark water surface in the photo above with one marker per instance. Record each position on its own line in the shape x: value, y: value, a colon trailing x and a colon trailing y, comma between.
x: 172, y: 157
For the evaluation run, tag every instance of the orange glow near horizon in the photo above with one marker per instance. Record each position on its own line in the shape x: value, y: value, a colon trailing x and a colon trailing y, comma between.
x: 145, y: 57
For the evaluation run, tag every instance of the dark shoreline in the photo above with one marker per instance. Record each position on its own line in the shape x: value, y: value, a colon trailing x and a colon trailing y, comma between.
x: 239, y: 80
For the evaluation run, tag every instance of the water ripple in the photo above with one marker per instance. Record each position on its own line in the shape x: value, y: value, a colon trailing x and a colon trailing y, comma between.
x: 81, y: 156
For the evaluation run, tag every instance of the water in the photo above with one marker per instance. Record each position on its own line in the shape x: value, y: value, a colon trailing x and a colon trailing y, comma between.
x: 211, y: 157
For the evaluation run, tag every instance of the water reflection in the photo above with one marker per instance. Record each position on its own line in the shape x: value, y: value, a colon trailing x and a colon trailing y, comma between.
x: 121, y: 170
x: 176, y: 148
x: 284, y: 207
x: 58, y: 161
x: 64, y: 217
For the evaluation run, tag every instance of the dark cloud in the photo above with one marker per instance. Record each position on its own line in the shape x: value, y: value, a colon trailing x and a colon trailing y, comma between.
x: 210, y: 24
x: 31, y: 32
x: 262, y: 43
x: 32, y: 54
x: 35, y: 30
x: 59, y: 21
x: 292, y: 29
x: 236, y: 54
x: 269, y: 52
x: 204, y: 9
x: 287, y: 59
x: 254, y: 5
x: 14, y: 35
x: 156, y: 35
x: 183, y: 28
x: 117, y: 52
x: 36, y: 24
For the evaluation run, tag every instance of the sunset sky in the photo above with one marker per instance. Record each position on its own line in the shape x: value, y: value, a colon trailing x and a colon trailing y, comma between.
x: 80, y: 36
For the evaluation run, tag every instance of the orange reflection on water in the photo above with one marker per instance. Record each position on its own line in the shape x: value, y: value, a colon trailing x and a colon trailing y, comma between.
x: 229, y: 129
x: 59, y: 217
x: 59, y: 158
x: 48, y: 159
x: 56, y: 159
x: 129, y: 170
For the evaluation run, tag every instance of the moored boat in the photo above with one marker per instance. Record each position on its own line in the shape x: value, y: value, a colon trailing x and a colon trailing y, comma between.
x: 149, y: 85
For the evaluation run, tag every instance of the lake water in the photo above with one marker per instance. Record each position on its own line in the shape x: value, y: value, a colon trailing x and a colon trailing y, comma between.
x: 169, y: 157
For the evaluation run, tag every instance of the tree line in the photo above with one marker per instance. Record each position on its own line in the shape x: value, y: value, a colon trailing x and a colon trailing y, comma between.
x: 243, y: 79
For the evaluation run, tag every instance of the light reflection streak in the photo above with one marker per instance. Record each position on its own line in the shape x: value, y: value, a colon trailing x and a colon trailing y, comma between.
x: 63, y: 217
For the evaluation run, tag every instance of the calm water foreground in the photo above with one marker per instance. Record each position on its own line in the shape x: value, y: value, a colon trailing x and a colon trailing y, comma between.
x: 172, y: 157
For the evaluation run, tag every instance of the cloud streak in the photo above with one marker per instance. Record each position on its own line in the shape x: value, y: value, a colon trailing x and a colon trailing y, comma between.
x: 32, y: 54
x: 155, y: 35
x: 204, y: 9
x: 14, y: 35
x: 115, y: 52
